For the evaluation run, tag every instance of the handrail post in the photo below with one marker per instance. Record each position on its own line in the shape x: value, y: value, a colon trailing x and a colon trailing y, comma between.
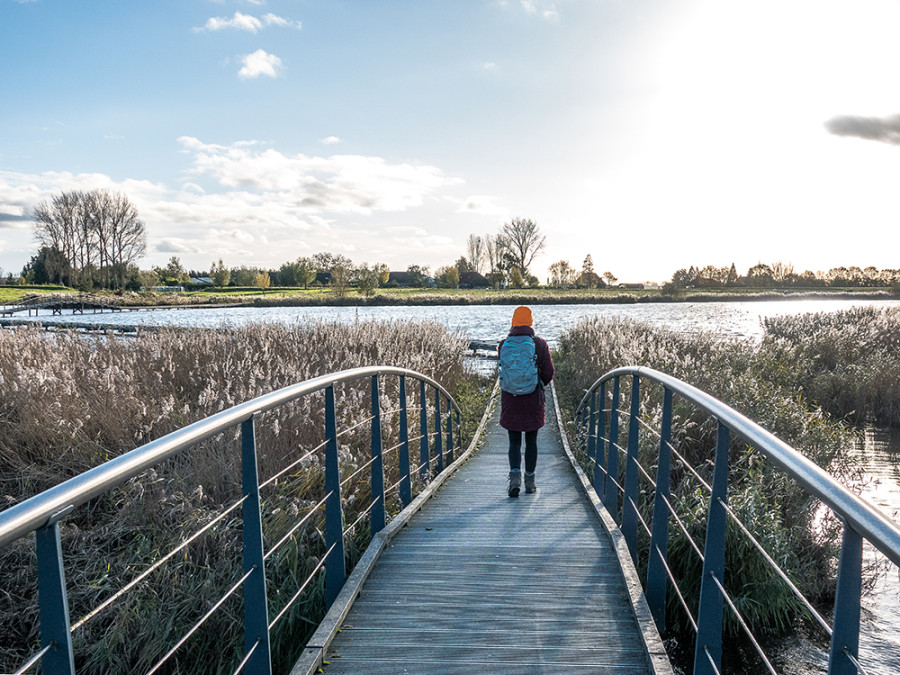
x: 845, y: 635
x: 256, y: 617
x: 424, y: 456
x: 659, y: 539
x: 403, y: 454
x: 599, y: 483
x: 54, y: 605
x: 449, y: 432
x: 377, y: 484
x: 438, y: 442
x: 709, y: 613
x: 629, y: 500
x: 591, y: 430
x: 611, y: 496
x: 335, y: 570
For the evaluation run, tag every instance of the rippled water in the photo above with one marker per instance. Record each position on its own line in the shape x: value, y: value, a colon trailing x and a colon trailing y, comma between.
x: 491, y: 322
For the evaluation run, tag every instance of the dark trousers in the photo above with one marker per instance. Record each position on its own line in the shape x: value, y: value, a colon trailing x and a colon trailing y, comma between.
x: 515, y: 450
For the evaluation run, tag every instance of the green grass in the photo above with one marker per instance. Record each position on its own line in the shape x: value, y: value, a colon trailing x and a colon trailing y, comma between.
x: 13, y: 293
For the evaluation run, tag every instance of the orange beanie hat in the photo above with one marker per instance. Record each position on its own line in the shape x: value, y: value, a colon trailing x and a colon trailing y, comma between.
x: 522, y: 317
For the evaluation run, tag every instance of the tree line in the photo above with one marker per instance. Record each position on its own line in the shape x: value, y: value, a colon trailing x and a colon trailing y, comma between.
x: 781, y: 275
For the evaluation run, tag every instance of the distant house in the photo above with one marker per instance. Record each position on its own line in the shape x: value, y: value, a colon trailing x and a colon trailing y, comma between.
x: 403, y: 280
x: 473, y: 280
x: 631, y: 287
x: 202, y: 281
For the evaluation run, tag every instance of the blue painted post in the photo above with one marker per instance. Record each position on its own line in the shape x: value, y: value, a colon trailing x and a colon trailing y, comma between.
x: 256, y: 616
x: 449, y: 432
x: 335, y: 570
x: 376, y: 521
x: 657, y: 581
x: 406, y: 480
x: 709, y: 613
x: 438, y: 442
x: 424, y: 456
x: 599, y: 483
x: 845, y: 636
x: 458, y: 430
x: 611, y: 495
x: 54, y: 605
x: 591, y: 433
x: 629, y: 502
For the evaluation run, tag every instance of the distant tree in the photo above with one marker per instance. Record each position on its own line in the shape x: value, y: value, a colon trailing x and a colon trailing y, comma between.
x: 263, y: 281
x: 781, y: 272
x: 562, y: 274
x: 304, y: 272
x: 340, y: 278
x: 475, y: 253
x: 219, y: 274
x: 48, y: 266
x: 462, y: 265
x: 523, y: 242
x: 325, y: 261
x: 244, y: 276
x: 733, y: 277
x: 417, y: 275
x: 588, y: 278
x: 609, y: 278
x: 493, y: 252
x: 383, y: 273
x: 516, y: 280
x: 148, y: 279
x: 760, y: 276
x: 366, y: 280
x: 447, y: 277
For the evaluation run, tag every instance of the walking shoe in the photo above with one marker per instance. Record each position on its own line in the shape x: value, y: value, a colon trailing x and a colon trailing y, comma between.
x: 529, y: 483
x: 515, y: 480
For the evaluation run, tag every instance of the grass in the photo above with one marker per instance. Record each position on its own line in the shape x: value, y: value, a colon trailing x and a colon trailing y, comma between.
x: 14, y: 293
x: 321, y: 296
x: 783, y: 517
x: 72, y: 402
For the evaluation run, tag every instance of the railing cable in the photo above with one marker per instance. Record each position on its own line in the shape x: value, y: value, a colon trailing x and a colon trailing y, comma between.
x: 33, y: 660
x: 362, y: 516
x: 231, y: 591
x: 297, y: 526
x: 246, y: 658
x: 737, y: 614
x: 138, y: 579
x: 671, y: 576
x: 290, y: 466
x: 303, y: 587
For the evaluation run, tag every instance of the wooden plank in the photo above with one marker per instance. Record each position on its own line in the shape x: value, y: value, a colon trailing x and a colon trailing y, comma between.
x: 479, y: 582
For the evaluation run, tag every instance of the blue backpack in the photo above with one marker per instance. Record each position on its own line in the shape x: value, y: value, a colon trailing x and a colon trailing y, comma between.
x: 518, y: 365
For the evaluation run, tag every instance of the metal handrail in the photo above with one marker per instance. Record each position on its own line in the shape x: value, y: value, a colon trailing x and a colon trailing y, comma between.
x: 861, y: 519
x: 40, y: 509
x: 43, y: 513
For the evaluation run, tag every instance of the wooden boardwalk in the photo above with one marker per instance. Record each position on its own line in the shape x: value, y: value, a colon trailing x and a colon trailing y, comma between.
x: 481, y: 583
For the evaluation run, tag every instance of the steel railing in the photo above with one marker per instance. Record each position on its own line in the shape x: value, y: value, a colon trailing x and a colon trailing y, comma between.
x: 861, y: 521
x: 43, y: 513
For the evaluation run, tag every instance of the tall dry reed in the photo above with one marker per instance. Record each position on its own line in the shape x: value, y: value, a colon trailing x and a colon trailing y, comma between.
x: 70, y: 402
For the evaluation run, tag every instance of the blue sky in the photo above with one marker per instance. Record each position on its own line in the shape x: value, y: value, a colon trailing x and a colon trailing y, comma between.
x: 652, y: 135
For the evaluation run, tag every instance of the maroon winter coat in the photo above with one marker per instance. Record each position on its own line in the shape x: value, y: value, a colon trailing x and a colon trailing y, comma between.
x: 526, y: 412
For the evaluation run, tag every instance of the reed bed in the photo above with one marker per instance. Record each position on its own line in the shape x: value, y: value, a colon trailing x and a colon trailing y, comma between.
x: 791, y: 525
x: 847, y: 362
x: 70, y: 402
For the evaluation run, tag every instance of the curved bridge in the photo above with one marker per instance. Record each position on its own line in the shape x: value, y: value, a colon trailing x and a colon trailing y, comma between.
x: 455, y: 577
x: 78, y: 303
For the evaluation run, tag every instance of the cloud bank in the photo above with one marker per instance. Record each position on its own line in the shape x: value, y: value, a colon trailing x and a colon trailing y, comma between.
x: 883, y: 129
x: 247, y: 22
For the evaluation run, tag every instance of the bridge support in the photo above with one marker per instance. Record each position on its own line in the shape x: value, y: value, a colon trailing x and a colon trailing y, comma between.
x: 376, y: 521
x: 335, y: 570
x: 708, y: 651
x: 54, y: 605
x: 611, y: 493
x: 438, y: 441
x: 599, y: 482
x: 424, y: 457
x: 403, y: 452
x: 845, y: 638
x: 657, y: 581
x: 256, y: 617
x: 629, y: 499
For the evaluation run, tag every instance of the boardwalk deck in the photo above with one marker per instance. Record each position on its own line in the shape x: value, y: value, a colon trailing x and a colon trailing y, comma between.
x: 479, y: 582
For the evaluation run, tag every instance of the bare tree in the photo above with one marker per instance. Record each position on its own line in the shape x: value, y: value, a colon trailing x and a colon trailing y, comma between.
x: 524, y: 241
x: 96, y: 232
x: 475, y: 252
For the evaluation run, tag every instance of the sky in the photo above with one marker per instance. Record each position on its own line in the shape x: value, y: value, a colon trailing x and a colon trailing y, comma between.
x: 653, y: 135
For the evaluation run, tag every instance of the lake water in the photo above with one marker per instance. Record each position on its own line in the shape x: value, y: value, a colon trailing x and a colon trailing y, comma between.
x: 879, y: 453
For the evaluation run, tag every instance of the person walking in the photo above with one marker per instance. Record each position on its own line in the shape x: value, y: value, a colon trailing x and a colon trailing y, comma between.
x: 525, y: 368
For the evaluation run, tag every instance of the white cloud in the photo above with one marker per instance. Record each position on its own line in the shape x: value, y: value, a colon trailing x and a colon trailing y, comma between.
x: 260, y: 63
x: 330, y: 140
x: 489, y: 65
x: 483, y: 205
x: 337, y: 184
x: 174, y: 246
x: 542, y: 8
x: 239, y: 21
x: 247, y: 22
